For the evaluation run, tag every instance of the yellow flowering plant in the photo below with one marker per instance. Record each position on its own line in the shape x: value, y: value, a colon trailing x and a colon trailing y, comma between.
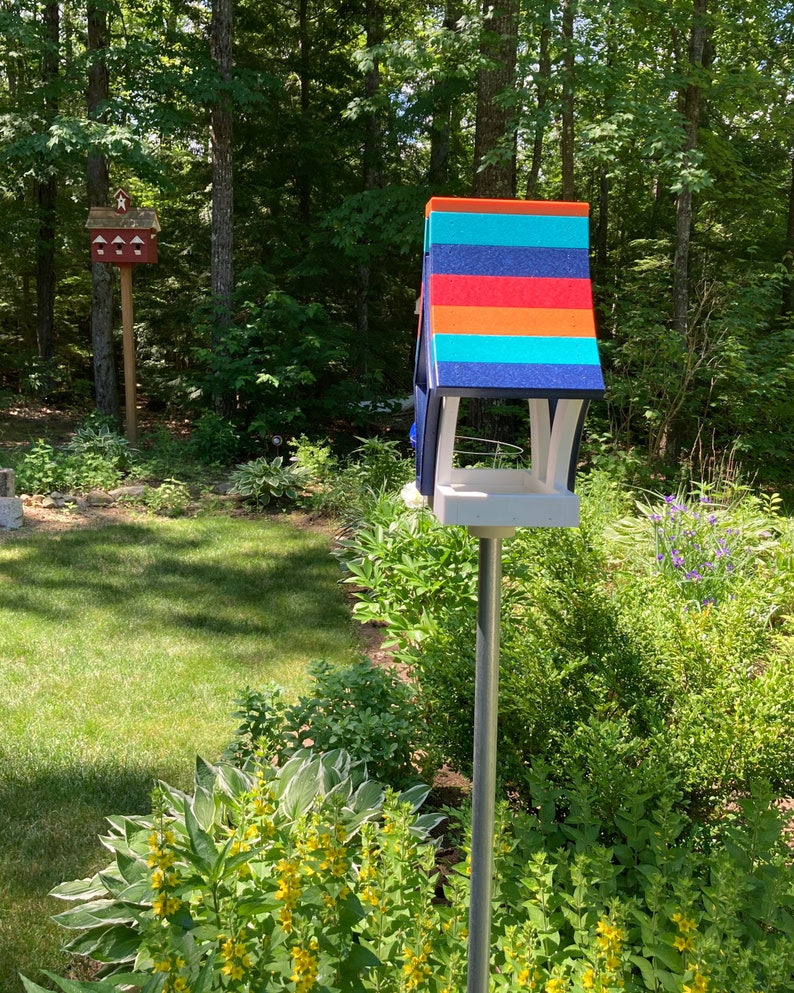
x: 256, y: 881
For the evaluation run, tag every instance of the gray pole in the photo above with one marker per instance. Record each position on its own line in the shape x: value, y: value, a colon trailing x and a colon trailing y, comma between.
x: 486, y: 709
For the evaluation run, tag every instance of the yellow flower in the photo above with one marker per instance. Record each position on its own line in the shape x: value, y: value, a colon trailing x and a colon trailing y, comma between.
x: 555, y: 985
x: 172, y: 904
x: 684, y: 943
x: 588, y: 979
x: 685, y: 924
x: 700, y: 984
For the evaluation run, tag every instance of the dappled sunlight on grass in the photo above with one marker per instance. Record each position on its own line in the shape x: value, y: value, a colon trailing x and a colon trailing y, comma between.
x: 122, y: 651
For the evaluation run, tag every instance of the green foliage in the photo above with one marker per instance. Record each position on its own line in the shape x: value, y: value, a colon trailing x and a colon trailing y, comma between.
x: 409, y: 573
x: 214, y: 440
x: 311, y: 876
x: 170, y: 499
x: 97, y: 435
x: 349, y: 489
x: 640, y: 672
x: 45, y: 469
x: 283, y: 365
x: 656, y: 910
x: 362, y: 708
x: 261, y: 481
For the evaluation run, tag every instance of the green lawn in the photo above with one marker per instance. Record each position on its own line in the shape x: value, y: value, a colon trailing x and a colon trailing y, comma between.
x: 121, y: 651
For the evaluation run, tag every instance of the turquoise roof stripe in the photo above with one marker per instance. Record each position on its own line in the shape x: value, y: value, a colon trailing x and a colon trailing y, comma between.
x: 528, y: 230
x: 529, y: 349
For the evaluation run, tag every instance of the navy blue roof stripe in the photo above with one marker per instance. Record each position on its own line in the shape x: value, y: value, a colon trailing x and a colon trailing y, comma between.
x: 579, y: 379
x: 492, y: 260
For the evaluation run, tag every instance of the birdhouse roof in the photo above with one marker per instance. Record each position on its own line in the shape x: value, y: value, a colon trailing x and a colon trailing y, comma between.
x: 507, y: 308
x: 136, y: 218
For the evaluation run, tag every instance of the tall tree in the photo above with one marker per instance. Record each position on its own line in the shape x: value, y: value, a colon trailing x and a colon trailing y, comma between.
x: 443, y: 99
x: 98, y: 188
x: 221, y: 134
x: 690, y: 108
x: 46, y: 190
x: 494, y: 134
x: 567, y: 138
x: 372, y: 157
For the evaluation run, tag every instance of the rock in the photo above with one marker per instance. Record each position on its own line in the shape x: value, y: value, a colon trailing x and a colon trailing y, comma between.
x: 98, y: 498
x: 49, y: 502
x: 10, y: 513
x: 6, y: 482
x: 127, y: 491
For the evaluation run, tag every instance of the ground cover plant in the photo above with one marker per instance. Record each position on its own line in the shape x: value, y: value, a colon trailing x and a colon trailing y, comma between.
x: 121, y: 649
x: 311, y: 876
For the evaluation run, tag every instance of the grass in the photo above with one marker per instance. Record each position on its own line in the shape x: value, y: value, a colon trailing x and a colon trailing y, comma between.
x: 121, y: 651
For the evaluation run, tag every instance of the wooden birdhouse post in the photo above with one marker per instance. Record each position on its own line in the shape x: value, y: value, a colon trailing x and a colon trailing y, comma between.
x: 506, y: 312
x: 125, y: 236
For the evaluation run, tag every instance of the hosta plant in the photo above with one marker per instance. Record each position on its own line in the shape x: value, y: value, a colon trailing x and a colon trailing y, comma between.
x: 261, y: 481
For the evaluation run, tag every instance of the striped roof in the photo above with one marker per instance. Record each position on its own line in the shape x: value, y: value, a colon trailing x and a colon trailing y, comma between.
x: 506, y: 300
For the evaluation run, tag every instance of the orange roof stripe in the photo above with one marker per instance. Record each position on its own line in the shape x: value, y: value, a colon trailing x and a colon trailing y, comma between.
x: 483, y: 205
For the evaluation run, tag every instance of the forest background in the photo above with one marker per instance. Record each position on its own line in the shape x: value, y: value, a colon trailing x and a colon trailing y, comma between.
x: 289, y: 149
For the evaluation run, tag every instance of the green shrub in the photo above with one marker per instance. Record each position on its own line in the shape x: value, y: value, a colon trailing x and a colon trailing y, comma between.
x: 408, y: 572
x: 364, y: 709
x: 214, y: 440
x: 45, y: 469
x: 260, y: 879
x: 170, y: 499
x: 97, y: 437
x: 613, y: 660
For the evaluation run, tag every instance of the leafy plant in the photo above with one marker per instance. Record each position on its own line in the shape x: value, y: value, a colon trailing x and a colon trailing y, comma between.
x: 45, y: 469
x: 311, y: 876
x: 214, y: 440
x: 97, y: 437
x: 261, y: 481
x: 171, y: 498
x: 362, y: 708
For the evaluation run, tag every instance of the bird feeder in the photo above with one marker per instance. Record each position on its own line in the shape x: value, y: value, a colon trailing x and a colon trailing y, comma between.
x: 506, y: 312
x: 125, y: 236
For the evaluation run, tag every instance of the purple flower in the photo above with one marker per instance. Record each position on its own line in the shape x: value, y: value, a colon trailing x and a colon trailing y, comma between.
x: 694, y: 574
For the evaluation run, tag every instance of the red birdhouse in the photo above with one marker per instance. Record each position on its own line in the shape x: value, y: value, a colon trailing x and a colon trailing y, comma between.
x: 123, y: 235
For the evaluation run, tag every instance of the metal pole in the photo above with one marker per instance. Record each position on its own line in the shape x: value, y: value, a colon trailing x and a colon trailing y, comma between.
x: 486, y: 709
x: 128, y: 339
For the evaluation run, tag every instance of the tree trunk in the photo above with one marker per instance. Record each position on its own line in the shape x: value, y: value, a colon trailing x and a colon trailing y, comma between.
x: 494, y: 125
x: 544, y: 81
x: 304, y: 179
x: 441, y: 124
x: 222, y: 235
x: 788, y: 261
x: 672, y: 433
x: 98, y: 189
x: 690, y: 105
x: 567, y: 138
x: 372, y: 173
x: 46, y: 192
